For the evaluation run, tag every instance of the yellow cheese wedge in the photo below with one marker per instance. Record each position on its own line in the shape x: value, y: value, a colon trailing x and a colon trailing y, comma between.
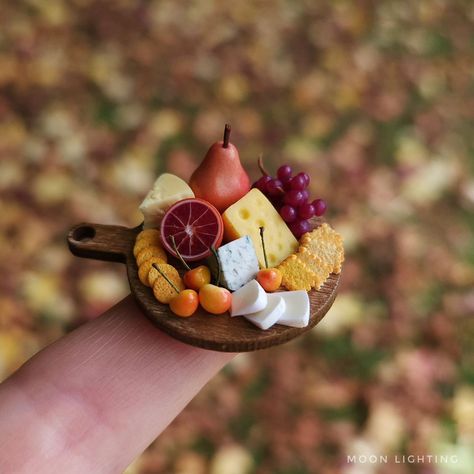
x: 247, y: 215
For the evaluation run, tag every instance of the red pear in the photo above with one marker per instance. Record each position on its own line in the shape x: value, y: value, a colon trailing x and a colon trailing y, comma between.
x: 220, y: 178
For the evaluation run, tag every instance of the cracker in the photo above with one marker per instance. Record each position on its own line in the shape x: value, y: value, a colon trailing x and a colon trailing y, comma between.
x: 295, y: 274
x: 162, y: 290
x: 145, y: 267
x: 149, y: 234
x: 149, y: 252
x: 316, y: 265
x: 326, y: 244
x: 149, y: 240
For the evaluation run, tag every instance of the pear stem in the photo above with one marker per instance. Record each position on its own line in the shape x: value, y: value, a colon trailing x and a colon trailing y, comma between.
x: 226, y: 135
x: 260, y: 165
x: 175, y: 248
x: 156, y: 267
x: 263, y: 246
x: 218, y: 279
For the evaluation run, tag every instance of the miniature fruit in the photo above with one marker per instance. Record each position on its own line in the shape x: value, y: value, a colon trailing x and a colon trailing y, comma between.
x: 289, y: 195
x: 299, y: 228
x: 194, y: 278
x: 182, y: 302
x: 288, y: 213
x: 196, y: 226
x: 306, y: 211
x: 284, y: 173
x: 197, y: 277
x: 269, y: 278
x: 215, y: 299
x: 220, y: 178
x: 319, y: 206
x: 185, y: 303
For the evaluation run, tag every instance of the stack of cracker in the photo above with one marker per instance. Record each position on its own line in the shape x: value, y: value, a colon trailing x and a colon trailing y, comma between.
x: 149, y: 252
x: 320, y: 253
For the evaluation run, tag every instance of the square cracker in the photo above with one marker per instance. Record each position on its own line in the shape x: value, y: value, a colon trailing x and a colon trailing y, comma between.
x: 295, y: 274
x: 325, y: 243
x: 316, y: 265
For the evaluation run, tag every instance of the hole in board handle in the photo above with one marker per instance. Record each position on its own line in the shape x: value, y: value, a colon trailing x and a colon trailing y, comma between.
x: 83, y: 234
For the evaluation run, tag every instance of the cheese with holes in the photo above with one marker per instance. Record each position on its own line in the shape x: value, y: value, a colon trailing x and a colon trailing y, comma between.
x: 253, y: 211
x: 238, y: 263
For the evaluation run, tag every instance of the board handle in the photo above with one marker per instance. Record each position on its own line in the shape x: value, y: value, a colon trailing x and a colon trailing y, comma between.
x: 112, y: 243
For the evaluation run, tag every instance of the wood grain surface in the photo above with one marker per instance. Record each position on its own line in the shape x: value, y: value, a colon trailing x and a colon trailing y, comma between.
x: 218, y: 333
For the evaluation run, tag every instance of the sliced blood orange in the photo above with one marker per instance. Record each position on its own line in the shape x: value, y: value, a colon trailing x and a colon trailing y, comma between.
x: 196, y: 225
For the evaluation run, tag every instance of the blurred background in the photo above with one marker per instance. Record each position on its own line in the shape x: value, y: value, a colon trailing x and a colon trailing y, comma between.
x: 374, y: 99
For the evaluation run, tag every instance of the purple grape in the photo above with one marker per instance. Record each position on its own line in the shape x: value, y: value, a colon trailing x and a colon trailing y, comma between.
x: 288, y: 213
x: 306, y: 211
x: 298, y: 182
x: 294, y: 198
x: 284, y: 173
x: 287, y: 185
x: 305, y: 196
x: 299, y: 228
x: 319, y: 206
x: 275, y: 188
x: 306, y: 179
x: 262, y: 183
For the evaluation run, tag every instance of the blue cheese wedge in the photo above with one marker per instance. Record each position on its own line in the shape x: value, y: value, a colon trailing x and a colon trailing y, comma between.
x: 238, y: 262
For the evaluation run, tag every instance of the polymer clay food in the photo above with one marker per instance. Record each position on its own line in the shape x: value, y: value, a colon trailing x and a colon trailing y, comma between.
x: 320, y: 253
x: 216, y: 243
x: 237, y: 261
x: 251, y: 212
x: 194, y: 226
x: 220, y: 178
x: 269, y: 278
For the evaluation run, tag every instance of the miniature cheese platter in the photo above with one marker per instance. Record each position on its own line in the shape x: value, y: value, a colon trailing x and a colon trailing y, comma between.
x: 222, y: 264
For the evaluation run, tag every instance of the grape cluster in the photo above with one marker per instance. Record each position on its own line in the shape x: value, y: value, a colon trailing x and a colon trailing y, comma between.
x: 289, y: 195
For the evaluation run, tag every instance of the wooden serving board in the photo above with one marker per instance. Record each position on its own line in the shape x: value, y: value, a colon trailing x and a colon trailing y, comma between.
x: 219, y: 333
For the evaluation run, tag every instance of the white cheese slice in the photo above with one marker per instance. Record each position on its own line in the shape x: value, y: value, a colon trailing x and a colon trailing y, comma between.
x: 296, y: 313
x: 268, y: 316
x: 248, y: 299
x: 166, y: 190
x: 238, y: 262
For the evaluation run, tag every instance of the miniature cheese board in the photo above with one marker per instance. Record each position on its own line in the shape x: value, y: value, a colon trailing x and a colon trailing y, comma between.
x: 222, y: 264
x: 208, y: 331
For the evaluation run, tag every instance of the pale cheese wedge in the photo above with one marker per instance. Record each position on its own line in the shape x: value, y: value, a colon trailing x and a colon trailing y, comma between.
x: 297, y: 307
x: 268, y: 316
x: 166, y: 190
x: 248, y: 299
